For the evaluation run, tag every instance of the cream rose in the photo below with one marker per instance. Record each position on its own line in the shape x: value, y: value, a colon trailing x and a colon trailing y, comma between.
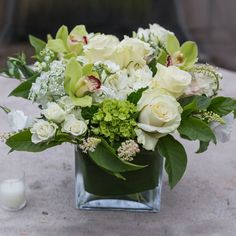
x: 132, y: 50
x: 54, y: 112
x: 42, y: 131
x: 160, y: 114
x: 172, y: 79
x: 100, y: 47
x: 74, y: 126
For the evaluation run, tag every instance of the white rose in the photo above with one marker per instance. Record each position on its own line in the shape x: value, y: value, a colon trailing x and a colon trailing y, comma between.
x: 223, y: 131
x: 157, y: 31
x: 100, y: 47
x: 132, y: 50
x: 54, y: 112
x: 74, y: 126
x: 18, y: 120
x: 172, y: 79
x: 160, y: 114
x: 42, y: 131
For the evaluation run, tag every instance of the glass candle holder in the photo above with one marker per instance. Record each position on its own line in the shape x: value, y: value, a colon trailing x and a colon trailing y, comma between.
x: 12, y: 190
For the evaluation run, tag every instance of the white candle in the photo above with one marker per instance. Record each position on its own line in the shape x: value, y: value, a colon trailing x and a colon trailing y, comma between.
x: 12, y: 194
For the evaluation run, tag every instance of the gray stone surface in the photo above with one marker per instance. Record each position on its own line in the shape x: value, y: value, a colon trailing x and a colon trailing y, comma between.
x: 203, y: 204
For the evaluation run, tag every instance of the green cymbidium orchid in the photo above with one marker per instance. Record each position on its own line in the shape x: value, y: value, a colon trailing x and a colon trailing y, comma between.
x: 184, y: 56
x: 79, y: 82
x: 70, y: 44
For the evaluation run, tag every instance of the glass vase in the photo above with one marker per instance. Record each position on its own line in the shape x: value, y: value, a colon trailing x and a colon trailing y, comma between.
x: 140, y: 190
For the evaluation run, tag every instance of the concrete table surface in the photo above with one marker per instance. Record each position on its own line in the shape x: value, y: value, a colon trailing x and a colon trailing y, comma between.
x: 203, y: 203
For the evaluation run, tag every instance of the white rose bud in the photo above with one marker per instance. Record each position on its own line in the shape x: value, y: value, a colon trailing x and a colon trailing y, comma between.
x: 18, y: 120
x: 74, y: 126
x: 54, y: 112
x: 43, y: 131
x: 160, y: 115
x: 172, y: 79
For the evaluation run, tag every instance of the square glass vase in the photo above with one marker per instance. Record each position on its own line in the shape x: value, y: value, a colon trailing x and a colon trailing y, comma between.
x: 139, y: 190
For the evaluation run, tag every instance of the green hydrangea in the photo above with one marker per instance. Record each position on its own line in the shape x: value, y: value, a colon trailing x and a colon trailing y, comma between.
x: 115, y: 120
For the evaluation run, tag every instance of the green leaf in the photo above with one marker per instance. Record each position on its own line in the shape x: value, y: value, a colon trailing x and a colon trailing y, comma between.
x: 190, y: 51
x: 88, y: 112
x: 203, y: 147
x: 222, y: 105
x: 134, y: 97
x: 176, y: 158
x: 17, y: 67
x: 24, y: 88
x: 57, y: 45
x: 22, y: 142
x: 172, y: 44
x: 37, y: 43
x: 105, y: 157
x: 152, y: 66
x: 194, y: 103
x: 196, y: 129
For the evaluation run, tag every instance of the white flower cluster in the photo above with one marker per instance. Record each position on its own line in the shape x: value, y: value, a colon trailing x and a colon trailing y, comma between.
x: 89, y: 144
x: 128, y: 150
x: 49, y: 86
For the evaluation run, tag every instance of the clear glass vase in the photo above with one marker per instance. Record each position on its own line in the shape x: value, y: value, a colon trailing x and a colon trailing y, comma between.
x: 96, y: 189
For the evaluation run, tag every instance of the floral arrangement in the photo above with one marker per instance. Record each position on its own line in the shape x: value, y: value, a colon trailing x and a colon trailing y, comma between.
x: 115, y: 99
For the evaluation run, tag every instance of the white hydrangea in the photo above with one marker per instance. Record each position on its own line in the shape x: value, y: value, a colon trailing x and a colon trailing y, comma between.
x: 155, y: 35
x: 117, y: 83
x: 49, y: 86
